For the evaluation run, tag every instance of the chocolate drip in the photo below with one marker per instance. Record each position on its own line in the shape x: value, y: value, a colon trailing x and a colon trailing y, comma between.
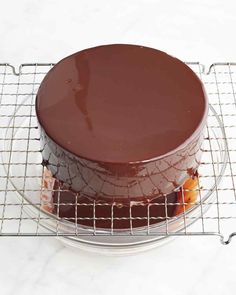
x: 68, y: 203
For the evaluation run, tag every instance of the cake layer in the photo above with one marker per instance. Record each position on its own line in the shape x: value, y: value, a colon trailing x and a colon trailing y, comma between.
x: 121, y: 121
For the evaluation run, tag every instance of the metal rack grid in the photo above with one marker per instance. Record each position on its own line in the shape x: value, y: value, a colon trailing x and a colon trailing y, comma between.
x: 21, y: 205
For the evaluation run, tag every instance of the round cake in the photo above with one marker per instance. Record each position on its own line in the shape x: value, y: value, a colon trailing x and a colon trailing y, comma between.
x: 121, y: 123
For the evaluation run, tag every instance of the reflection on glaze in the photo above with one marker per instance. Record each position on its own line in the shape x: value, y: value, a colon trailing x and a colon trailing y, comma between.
x: 81, y: 88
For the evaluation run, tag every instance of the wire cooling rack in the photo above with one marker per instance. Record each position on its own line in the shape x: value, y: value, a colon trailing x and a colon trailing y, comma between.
x: 22, y: 207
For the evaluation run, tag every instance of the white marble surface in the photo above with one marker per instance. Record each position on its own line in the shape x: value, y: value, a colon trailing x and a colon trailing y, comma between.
x: 46, y: 31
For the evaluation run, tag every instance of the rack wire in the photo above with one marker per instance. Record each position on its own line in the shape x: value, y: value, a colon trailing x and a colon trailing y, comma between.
x: 22, y: 207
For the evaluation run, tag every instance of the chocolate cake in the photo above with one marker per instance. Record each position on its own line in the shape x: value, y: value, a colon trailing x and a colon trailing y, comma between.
x: 121, y: 123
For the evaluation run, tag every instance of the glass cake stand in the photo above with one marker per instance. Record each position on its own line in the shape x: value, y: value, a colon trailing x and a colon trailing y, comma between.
x: 25, y: 174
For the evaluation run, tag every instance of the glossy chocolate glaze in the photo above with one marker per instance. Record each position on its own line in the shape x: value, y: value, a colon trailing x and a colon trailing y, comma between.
x: 121, y: 122
x: 120, y: 103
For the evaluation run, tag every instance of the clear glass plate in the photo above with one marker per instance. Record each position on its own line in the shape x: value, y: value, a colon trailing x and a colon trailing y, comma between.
x: 25, y: 174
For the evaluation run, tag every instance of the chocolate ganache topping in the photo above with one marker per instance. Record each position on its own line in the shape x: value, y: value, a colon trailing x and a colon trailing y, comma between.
x: 121, y: 122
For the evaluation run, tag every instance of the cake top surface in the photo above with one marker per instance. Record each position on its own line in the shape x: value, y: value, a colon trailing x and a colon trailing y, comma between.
x: 120, y: 103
